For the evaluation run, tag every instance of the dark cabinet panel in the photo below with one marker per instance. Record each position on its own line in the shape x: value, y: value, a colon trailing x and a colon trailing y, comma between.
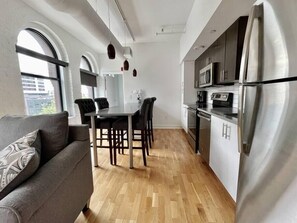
x: 197, y: 69
x: 199, y: 64
x: 225, y: 52
x: 219, y: 56
x: 233, y: 50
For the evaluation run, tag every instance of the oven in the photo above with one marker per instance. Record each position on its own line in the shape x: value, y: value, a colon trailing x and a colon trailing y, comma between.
x: 204, y: 134
x: 192, y: 122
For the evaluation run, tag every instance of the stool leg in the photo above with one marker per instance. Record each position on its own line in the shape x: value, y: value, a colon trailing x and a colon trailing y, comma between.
x: 122, y: 138
x: 149, y: 136
x: 110, y: 144
x: 146, y: 141
x: 152, y: 130
x: 115, y: 148
x: 143, y: 146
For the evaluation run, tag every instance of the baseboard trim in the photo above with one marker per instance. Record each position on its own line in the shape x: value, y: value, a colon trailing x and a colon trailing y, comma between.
x: 167, y: 127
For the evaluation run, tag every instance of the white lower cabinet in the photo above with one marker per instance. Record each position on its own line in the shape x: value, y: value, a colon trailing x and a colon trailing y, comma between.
x: 184, y: 117
x: 224, y: 156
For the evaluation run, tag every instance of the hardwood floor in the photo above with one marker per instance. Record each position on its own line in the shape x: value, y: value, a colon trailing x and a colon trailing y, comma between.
x: 176, y: 186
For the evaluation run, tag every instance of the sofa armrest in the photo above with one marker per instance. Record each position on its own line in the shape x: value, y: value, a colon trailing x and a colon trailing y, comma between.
x: 27, y: 199
x: 79, y: 133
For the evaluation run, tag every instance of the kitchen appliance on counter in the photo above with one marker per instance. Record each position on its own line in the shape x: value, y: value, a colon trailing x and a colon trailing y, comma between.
x: 220, y: 99
x: 201, y: 98
x: 267, y: 120
x: 206, y: 76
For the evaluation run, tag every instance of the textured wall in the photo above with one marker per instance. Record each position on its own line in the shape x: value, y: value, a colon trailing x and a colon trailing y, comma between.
x: 15, y: 16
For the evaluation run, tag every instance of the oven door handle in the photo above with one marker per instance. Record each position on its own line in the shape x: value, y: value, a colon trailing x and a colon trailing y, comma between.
x: 204, y: 117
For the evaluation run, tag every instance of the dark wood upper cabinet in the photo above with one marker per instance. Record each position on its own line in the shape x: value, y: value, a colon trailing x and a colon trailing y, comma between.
x: 225, y: 52
x: 218, y: 49
x: 200, y: 63
x: 233, y: 50
x: 198, y: 67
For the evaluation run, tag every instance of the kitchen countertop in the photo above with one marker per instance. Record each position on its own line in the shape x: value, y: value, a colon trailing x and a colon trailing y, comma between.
x: 228, y: 114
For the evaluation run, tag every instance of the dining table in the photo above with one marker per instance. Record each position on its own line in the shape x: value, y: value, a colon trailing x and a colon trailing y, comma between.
x: 122, y: 110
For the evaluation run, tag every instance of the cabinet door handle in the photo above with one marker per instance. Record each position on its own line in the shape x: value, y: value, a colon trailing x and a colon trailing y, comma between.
x: 228, y: 135
x: 223, y: 129
x: 226, y: 128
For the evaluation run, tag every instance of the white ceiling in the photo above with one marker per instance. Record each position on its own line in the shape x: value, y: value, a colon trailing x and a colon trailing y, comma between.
x: 146, y: 17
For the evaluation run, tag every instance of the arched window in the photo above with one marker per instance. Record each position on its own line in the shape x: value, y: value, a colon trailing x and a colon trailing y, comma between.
x: 88, y: 78
x: 40, y: 70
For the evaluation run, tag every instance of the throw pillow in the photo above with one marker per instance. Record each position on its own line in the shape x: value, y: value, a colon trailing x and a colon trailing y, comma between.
x: 18, y: 161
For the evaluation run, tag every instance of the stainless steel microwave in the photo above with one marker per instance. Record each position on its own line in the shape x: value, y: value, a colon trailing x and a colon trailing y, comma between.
x: 206, y: 75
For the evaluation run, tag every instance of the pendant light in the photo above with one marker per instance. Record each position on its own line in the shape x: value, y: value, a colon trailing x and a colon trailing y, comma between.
x: 126, y: 63
x: 134, y: 72
x: 110, y: 48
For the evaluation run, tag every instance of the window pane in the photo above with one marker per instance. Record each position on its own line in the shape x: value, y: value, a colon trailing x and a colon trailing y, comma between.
x: 87, y: 91
x: 31, y: 40
x: 85, y: 64
x: 35, y: 66
x: 41, y: 96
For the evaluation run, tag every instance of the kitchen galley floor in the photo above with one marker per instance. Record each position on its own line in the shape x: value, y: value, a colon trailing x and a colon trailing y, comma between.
x: 176, y: 186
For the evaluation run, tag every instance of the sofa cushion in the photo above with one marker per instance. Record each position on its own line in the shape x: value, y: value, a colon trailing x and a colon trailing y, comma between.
x: 53, y: 131
x: 18, y: 161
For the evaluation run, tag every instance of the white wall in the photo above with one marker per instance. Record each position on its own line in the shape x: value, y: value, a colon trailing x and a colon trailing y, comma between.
x: 114, y: 89
x: 188, y: 74
x: 158, y: 69
x: 15, y: 16
x: 200, y: 14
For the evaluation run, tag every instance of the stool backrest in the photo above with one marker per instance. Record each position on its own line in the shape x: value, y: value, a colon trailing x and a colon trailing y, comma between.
x: 151, y: 108
x: 85, y: 105
x: 144, y: 110
x: 102, y: 103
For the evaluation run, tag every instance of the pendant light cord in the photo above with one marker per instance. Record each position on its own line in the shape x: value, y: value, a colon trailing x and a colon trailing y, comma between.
x: 109, y: 20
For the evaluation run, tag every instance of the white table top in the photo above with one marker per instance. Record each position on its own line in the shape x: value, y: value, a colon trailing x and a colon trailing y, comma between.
x: 121, y: 110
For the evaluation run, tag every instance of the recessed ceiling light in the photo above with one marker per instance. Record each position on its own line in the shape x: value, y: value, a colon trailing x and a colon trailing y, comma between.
x: 198, y: 47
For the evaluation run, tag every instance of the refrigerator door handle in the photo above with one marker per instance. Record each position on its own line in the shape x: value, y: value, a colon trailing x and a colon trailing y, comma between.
x: 247, y: 117
x: 256, y: 12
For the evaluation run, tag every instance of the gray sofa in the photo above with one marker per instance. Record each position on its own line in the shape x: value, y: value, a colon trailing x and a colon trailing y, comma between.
x: 63, y: 184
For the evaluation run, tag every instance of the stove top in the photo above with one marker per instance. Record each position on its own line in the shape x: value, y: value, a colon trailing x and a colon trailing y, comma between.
x: 222, y: 99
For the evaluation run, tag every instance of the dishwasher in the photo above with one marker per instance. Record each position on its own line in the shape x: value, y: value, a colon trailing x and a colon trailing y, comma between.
x: 204, y: 135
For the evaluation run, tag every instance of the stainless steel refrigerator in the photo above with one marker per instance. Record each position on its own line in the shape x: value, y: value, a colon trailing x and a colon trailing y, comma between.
x: 267, y: 187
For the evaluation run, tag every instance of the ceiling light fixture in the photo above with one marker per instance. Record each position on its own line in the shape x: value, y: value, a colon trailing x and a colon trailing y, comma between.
x: 110, y: 48
x: 171, y: 29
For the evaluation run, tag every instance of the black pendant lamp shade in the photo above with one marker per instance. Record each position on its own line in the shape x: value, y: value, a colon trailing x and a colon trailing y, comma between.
x: 134, y: 72
x: 111, y: 51
x: 126, y: 65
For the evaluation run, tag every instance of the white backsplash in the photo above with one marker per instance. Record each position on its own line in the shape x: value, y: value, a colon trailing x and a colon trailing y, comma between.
x: 231, y: 89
